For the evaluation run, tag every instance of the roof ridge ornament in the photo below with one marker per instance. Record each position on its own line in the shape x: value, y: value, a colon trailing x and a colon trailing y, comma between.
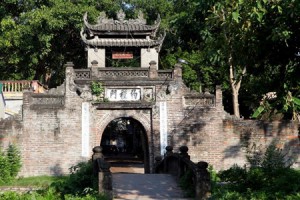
x: 103, y: 19
x: 121, y: 16
x: 140, y: 19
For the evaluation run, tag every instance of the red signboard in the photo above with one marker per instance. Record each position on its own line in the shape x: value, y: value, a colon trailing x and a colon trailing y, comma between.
x: 122, y: 55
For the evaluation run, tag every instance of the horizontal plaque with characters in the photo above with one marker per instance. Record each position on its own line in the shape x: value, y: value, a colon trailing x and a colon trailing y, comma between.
x: 122, y: 55
x: 123, y: 94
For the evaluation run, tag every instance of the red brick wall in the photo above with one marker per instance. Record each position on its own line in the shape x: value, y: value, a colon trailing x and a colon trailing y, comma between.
x: 50, y: 136
x: 243, y: 134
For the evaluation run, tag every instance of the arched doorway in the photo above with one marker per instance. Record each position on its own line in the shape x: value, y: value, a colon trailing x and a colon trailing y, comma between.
x: 125, y: 145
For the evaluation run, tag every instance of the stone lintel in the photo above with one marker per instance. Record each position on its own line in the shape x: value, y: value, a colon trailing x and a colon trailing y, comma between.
x: 118, y: 82
x: 123, y: 105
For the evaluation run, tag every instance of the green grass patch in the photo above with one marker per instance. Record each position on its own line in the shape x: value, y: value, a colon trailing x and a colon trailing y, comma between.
x: 80, y: 184
x: 36, y: 181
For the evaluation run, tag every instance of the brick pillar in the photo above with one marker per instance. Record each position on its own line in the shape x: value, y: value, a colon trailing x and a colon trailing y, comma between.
x: 219, y: 97
x: 177, y: 72
x: 102, y: 169
x: 203, y: 184
x: 70, y: 76
x: 153, y: 70
x: 26, y: 99
x: 94, y: 69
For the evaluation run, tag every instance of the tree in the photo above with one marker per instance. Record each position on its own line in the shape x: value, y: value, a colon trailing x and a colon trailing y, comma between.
x: 184, y: 41
x: 221, y: 40
x: 232, y: 39
x: 40, y: 36
x: 279, y: 68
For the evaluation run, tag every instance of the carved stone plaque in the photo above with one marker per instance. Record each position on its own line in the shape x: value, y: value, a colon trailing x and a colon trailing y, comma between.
x: 148, y: 94
x: 123, y: 94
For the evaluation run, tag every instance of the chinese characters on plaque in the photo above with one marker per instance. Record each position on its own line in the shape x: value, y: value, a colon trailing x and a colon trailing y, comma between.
x: 123, y: 94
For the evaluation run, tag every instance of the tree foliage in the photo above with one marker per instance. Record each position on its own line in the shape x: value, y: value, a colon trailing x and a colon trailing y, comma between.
x: 246, y: 46
x: 40, y: 36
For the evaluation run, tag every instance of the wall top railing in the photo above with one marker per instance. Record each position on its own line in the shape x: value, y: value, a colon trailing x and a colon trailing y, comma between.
x: 121, y: 73
x: 20, y: 86
x: 125, y: 73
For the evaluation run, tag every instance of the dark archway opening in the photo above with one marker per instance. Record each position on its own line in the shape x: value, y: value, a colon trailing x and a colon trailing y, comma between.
x: 124, y: 144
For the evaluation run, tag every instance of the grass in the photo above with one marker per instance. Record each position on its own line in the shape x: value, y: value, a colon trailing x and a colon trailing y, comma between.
x: 36, y: 181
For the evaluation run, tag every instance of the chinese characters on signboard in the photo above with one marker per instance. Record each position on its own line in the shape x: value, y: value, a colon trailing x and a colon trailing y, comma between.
x: 126, y: 94
x: 122, y: 55
x: 163, y: 127
x: 85, y: 120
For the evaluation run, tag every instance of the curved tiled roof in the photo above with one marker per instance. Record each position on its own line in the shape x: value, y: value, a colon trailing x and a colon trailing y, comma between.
x: 120, y: 42
x: 121, y: 25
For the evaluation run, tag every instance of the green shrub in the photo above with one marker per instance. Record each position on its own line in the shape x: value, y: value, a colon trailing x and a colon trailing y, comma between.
x: 4, y: 168
x: 10, y: 163
x: 268, y: 177
x: 10, y: 196
x: 187, y: 184
x: 214, y: 177
x: 80, y: 182
x: 97, y: 90
x: 271, y: 159
x: 274, y: 158
x: 14, y: 158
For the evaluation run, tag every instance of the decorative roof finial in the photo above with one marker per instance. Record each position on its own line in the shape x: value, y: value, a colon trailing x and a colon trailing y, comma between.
x: 121, y: 15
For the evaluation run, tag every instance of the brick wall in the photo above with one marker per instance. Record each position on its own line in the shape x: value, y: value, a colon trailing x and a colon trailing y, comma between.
x: 49, y: 134
x: 240, y: 135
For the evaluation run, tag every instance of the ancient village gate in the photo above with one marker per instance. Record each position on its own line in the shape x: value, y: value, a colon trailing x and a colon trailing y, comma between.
x: 67, y: 122
x: 59, y: 128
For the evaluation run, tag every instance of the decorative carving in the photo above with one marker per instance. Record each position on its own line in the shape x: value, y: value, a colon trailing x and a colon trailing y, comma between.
x: 82, y: 74
x: 163, y: 74
x: 148, y: 94
x: 103, y: 19
x: 155, y: 111
x: 200, y: 101
x: 172, y: 87
x: 162, y: 93
x: 121, y: 17
x: 123, y: 73
x: 139, y: 20
x: 70, y: 80
x: 85, y: 93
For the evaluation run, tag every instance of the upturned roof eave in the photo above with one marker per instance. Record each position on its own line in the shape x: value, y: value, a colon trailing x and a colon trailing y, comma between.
x: 113, y: 42
x: 128, y: 43
x: 109, y: 33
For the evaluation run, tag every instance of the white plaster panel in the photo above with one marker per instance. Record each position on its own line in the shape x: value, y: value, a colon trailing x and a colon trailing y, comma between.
x: 148, y: 55
x: 98, y: 55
